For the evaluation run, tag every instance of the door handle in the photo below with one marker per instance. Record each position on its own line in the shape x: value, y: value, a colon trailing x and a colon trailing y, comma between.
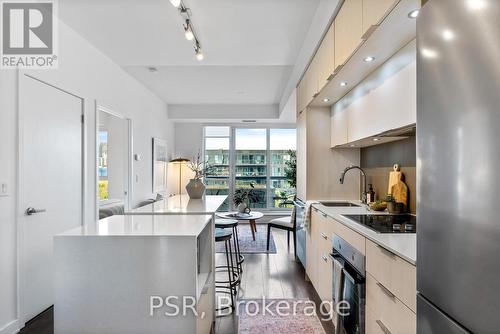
x: 31, y: 211
x: 324, y: 236
x: 383, y: 327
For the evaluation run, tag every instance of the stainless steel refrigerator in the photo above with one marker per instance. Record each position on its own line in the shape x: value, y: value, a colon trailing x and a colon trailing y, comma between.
x: 458, y: 167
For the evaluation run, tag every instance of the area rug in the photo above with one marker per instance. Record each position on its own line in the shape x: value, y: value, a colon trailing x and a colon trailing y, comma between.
x: 254, y: 319
x: 247, y: 244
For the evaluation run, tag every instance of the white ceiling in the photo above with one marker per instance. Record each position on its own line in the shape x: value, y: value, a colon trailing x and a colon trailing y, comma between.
x: 250, y: 46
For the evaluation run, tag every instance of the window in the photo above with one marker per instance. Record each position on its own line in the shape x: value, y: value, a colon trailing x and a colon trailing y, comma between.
x: 282, y: 146
x: 251, y: 157
x: 217, y: 143
x: 251, y: 163
x: 102, y: 161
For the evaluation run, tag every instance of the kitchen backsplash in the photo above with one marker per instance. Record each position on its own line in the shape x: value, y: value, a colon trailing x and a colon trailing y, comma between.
x: 377, y: 161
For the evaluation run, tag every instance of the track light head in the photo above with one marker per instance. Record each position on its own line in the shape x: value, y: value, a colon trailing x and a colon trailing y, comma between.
x: 199, y: 52
x: 188, y: 31
x: 175, y: 3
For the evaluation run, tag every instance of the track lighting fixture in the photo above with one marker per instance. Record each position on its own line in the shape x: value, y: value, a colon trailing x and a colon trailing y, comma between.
x: 199, y: 53
x: 189, y: 31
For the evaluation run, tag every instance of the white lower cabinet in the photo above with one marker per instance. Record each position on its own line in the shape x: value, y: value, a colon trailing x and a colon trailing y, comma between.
x: 390, y: 280
x: 385, y: 313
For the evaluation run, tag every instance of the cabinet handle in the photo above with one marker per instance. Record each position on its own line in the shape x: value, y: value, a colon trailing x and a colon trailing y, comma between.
x: 337, y: 69
x: 324, y: 214
x: 386, y: 291
x: 368, y: 33
x: 387, y: 252
x: 324, y: 236
x: 383, y: 327
x: 315, y: 209
x: 324, y: 258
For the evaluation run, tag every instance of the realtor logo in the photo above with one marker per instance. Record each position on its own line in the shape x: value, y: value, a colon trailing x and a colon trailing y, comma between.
x: 28, y: 34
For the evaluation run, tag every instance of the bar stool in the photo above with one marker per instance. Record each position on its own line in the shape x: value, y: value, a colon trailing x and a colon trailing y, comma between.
x: 229, y: 286
x: 232, y: 224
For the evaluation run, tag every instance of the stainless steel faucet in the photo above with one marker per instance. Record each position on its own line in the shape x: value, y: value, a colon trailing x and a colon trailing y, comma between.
x: 342, y: 176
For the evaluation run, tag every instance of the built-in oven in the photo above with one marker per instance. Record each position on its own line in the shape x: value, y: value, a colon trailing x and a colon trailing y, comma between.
x: 300, y: 231
x: 348, y: 293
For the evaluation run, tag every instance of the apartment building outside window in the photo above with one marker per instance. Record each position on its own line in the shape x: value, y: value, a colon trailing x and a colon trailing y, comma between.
x: 245, y: 158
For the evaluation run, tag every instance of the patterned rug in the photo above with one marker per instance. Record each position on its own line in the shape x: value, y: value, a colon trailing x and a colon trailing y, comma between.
x: 254, y: 319
x: 247, y: 244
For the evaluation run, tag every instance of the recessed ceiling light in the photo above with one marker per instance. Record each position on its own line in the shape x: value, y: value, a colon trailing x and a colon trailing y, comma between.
x: 152, y: 69
x: 343, y: 84
x: 369, y: 59
x: 413, y: 14
x: 448, y: 35
x: 476, y: 4
x: 428, y: 53
x: 376, y: 139
x: 326, y: 99
x: 175, y: 3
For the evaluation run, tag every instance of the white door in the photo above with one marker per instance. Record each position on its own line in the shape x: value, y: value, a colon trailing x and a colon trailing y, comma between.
x: 50, y: 182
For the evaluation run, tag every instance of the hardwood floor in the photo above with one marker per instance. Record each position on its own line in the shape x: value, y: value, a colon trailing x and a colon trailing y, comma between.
x: 275, y: 276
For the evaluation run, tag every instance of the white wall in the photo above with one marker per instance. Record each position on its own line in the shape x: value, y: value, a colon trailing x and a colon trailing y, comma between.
x: 86, y: 72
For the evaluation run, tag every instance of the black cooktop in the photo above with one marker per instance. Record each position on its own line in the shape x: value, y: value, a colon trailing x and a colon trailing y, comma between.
x: 401, y: 223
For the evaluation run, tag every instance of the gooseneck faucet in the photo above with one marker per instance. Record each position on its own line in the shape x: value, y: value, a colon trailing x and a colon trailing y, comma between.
x: 342, y: 176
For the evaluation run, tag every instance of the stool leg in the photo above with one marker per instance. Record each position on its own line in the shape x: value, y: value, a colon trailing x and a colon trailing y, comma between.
x: 288, y: 239
x: 229, y: 270
x: 237, y: 246
x: 232, y: 286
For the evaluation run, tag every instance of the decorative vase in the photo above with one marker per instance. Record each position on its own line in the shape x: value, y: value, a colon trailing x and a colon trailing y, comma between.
x: 195, y: 189
x: 242, y: 207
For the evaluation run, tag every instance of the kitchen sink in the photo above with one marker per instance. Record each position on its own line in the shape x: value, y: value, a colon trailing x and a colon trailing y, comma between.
x: 339, y: 204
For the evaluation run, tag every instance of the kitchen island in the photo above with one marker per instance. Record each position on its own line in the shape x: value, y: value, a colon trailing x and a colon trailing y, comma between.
x: 116, y: 276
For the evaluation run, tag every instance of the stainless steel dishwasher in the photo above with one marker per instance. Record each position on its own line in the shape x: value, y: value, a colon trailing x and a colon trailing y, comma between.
x: 300, y: 231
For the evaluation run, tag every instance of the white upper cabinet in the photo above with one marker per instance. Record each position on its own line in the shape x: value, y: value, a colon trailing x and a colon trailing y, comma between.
x: 386, y: 100
x: 374, y: 11
x: 326, y: 57
x: 348, y: 30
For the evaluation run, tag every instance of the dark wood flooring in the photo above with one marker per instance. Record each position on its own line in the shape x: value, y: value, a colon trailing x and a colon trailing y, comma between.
x: 275, y: 276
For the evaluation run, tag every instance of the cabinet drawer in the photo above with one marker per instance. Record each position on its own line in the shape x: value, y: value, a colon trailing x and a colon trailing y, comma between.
x: 355, y: 239
x: 397, y: 275
x: 385, y: 313
x: 325, y: 277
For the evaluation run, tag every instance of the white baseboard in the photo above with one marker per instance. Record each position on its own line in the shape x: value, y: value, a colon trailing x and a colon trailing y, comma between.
x: 11, y: 328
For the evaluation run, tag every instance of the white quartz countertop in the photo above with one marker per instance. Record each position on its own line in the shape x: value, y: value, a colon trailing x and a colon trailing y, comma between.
x: 183, y: 204
x: 402, y: 244
x: 180, y: 225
